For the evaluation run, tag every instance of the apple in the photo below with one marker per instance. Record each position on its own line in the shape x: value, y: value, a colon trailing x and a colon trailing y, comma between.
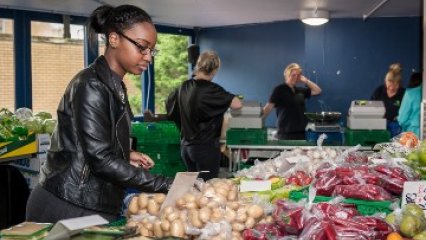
x: 413, y: 156
x: 422, y: 158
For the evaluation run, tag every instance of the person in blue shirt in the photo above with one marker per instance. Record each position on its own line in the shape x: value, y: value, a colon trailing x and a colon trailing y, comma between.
x: 409, y: 112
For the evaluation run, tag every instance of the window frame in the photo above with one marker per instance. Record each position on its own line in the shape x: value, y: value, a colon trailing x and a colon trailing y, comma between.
x: 22, y: 50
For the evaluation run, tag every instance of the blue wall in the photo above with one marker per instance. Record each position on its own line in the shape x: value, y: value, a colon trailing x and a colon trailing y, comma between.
x: 347, y: 58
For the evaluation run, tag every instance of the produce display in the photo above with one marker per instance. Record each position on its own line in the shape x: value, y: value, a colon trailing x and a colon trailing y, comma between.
x: 315, y: 193
x: 214, y: 212
x: 18, y: 125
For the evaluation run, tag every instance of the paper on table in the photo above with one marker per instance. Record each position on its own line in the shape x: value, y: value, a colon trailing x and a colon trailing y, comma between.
x: 182, y: 183
x: 66, y: 228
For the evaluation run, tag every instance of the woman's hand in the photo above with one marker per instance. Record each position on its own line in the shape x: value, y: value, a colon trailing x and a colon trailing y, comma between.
x: 138, y: 159
x: 303, y: 79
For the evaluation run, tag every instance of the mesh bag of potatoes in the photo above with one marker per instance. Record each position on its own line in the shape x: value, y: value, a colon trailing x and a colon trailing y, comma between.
x: 214, y: 211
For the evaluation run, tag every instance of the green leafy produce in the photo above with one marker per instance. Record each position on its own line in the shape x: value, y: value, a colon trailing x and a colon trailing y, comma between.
x: 43, y: 115
x: 6, y: 135
x: 420, y: 236
x: 49, y: 125
x: 20, y: 130
x: 33, y: 125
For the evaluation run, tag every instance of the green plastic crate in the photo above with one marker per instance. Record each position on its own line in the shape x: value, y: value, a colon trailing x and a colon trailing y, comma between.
x: 156, y: 132
x: 366, y: 137
x: 246, y: 136
x: 161, y: 153
x: 365, y: 207
x: 169, y: 170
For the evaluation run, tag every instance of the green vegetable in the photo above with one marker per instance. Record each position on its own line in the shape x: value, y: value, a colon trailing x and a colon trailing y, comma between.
x: 49, y: 125
x: 43, y: 115
x: 34, y: 125
x: 20, y: 130
x: 6, y: 135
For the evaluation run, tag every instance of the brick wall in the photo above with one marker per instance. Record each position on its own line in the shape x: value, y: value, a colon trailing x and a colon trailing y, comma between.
x: 7, y: 72
x: 54, y: 63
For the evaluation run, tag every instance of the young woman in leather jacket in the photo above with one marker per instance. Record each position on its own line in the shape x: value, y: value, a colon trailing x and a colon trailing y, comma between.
x: 90, y: 163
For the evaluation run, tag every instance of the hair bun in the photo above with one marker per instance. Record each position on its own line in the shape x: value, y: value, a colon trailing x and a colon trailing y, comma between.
x: 396, y: 68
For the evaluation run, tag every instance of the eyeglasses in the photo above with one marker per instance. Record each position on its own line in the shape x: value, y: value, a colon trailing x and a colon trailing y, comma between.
x: 142, y: 49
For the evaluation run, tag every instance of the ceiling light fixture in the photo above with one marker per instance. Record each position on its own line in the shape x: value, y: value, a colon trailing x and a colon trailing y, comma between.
x: 314, y: 17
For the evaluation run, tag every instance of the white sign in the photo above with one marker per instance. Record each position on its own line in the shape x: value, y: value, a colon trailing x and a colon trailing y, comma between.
x: 64, y: 229
x: 414, y: 192
x: 255, y: 185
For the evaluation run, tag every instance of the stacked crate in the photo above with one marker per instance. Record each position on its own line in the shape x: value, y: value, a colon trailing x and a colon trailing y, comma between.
x: 161, y: 142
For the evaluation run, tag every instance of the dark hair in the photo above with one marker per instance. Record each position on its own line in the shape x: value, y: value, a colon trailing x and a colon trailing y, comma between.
x: 106, y: 19
x: 415, y: 80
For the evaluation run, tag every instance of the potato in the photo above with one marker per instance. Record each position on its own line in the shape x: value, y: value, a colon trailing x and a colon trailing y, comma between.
x: 183, y: 215
x: 142, y: 212
x: 194, y: 219
x: 202, y: 201
x: 238, y: 227
x: 205, y: 214
x: 149, y: 226
x: 233, y: 205
x: 269, y: 219
x: 173, y: 216
x: 250, y: 222
x: 165, y: 226
x: 153, y: 207
x: 189, y: 197
x: 221, y: 200
x: 177, y: 229
x: 169, y: 209
x: 217, y: 215
x: 133, y: 206
x: 159, y: 198
x: 191, y: 205
x: 209, y: 192
x: 143, y: 231
x: 241, y: 217
x: 143, y: 200
x: 232, y: 196
x: 255, y: 211
x: 158, y: 231
x: 213, y: 204
x: 230, y: 215
x: 132, y: 224
x: 222, y: 192
x: 180, y: 203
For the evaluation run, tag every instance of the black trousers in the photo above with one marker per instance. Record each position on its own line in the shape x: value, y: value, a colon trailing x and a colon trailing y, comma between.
x: 202, y: 157
x: 44, y: 207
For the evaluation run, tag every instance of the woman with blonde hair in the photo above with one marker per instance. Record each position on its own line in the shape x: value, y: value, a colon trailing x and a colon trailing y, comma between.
x: 197, y: 107
x: 391, y: 92
x: 289, y: 101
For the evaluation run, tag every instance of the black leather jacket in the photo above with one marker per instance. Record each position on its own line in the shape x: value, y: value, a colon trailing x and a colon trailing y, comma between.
x: 88, y: 161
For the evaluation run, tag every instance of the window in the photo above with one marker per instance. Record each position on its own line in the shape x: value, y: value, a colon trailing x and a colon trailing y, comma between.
x: 55, y: 61
x: 7, y: 65
x: 171, y: 67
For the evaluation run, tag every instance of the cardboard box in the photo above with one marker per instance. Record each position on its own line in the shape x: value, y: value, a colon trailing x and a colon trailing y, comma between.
x: 43, y: 142
x: 18, y: 148
x: 32, y: 165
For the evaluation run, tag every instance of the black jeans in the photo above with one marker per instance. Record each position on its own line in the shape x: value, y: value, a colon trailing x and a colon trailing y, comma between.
x: 43, y: 206
x: 202, y: 157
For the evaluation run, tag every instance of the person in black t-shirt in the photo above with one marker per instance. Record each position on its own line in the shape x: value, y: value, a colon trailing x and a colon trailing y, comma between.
x: 197, y: 107
x: 289, y: 101
x: 391, y: 92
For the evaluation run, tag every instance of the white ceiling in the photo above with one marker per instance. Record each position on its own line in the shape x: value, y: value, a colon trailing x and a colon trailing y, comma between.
x: 213, y: 13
